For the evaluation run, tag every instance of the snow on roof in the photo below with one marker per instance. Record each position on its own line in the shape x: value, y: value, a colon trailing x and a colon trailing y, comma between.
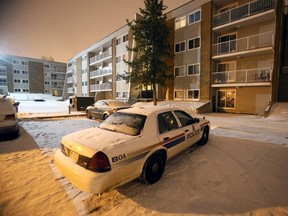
x: 147, y: 110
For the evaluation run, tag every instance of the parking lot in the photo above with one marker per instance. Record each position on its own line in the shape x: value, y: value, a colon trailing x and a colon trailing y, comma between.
x: 242, y: 170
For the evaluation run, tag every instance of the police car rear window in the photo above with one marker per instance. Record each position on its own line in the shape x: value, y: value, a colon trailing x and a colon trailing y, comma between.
x: 127, y: 123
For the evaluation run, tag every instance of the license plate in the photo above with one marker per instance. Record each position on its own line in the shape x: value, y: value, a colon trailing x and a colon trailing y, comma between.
x: 73, y: 155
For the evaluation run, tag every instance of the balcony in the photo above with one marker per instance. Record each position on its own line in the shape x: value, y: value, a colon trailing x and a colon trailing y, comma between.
x: 244, y: 46
x: 255, y: 77
x: 101, y: 57
x: 70, y: 80
x: 101, y: 87
x: 261, y: 8
x: 71, y: 69
x: 3, y: 73
x: 70, y: 90
x: 101, y: 72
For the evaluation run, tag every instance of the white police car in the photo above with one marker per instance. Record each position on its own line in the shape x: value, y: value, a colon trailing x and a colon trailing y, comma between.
x: 131, y: 143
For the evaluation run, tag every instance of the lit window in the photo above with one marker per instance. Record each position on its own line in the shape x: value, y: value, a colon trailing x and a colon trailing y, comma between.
x: 179, y: 94
x: 226, y: 99
x: 180, y: 22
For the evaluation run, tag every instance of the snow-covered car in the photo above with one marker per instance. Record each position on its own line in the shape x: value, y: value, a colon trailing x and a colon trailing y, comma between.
x: 131, y: 143
x: 8, y: 119
x: 102, y: 109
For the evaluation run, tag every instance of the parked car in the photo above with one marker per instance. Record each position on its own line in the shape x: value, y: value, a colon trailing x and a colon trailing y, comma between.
x: 131, y: 143
x: 8, y: 119
x: 102, y: 109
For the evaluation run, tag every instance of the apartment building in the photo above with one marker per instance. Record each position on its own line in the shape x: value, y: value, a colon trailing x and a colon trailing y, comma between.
x: 96, y: 71
x: 191, y: 39
x: 228, y: 54
x: 29, y: 75
x: 245, y: 55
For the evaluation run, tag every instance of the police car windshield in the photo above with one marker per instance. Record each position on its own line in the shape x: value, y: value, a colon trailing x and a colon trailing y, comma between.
x: 127, y: 123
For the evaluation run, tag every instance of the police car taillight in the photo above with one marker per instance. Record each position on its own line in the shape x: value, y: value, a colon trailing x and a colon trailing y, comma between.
x: 99, y: 163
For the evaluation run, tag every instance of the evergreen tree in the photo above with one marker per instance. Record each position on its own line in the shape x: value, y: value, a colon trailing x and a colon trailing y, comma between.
x: 151, y: 47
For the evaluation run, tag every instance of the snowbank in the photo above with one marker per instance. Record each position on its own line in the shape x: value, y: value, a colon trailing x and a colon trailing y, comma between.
x: 241, y: 171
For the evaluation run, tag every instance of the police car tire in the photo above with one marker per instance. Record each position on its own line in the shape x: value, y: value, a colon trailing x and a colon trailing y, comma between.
x: 205, y: 136
x: 105, y: 116
x: 153, y: 168
x: 88, y: 115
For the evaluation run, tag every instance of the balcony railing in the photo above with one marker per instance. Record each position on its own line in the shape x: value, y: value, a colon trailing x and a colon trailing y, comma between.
x: 244, y: 44
x: 101, y: 57
x: 243, y: 11
x: 71, y: 69
x: 101, y: 87
x: 3, y: 73
x: 256, y: 75
x: 70, y: 90
x: 101, y: 72
x: 70, y: 80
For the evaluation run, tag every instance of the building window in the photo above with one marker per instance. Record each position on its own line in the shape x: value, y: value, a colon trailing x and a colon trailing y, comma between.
x: 193, y: 69
x: 3, y: 82
x: 180, y: 47
x: 16, y: 62
x: 54, y: 76
x: 17, y: 81
x: 194, y: 17
x: 118, y: 41
x: 25, y: 81
x: 47, y: 83
x: 3, y: 72
x: 193, y: 94
x: 16, y: 71
x: 119, y: 94
x: 17, y: 90
x: 24, y: 63
x: 179, y: 94
x: 226, y: 99
x: 125, y: 38
x: 125, y: 94
x: 194, y: 43
x: 25, y: 90
x: 179, y: 71
x: 46, y: 66
x: 25, y: 72
x: 118, y: 59
x: 180, y: 22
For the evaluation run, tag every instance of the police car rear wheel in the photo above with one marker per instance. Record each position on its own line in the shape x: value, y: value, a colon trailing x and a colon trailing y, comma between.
x: 153, y: 168
x: 205, y: 136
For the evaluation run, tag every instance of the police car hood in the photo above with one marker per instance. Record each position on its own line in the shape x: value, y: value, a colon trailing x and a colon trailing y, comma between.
x: 95, y: 139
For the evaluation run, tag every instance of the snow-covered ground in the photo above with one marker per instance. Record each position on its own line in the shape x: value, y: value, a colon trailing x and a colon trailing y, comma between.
x: 242, y: 170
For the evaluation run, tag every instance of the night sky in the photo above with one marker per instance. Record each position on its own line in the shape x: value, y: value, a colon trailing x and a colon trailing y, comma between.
x: 62, y: 28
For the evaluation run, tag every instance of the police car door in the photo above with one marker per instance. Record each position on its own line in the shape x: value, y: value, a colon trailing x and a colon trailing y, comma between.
x: 190, y: 127
x: 170, y: 134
